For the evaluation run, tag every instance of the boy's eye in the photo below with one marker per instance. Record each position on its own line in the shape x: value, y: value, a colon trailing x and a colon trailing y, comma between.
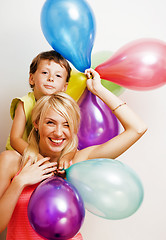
x: 59, y: 76
x: 44, y: 72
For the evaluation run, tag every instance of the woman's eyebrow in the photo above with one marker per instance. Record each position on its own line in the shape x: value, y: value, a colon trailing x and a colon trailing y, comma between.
x: 49, y: 118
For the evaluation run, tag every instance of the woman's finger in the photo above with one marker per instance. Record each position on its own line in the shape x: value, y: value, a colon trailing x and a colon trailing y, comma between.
x: 45, y: 176
x: 43, y: 160
x: 49, y: 170
x: 29, y: 162
x: 49, y: 165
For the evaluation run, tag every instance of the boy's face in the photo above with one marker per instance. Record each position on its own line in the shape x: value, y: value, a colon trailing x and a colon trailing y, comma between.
x: 48, y: 79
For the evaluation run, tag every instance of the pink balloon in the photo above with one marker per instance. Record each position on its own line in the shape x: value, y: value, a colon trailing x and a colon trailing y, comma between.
x: 139, y: 65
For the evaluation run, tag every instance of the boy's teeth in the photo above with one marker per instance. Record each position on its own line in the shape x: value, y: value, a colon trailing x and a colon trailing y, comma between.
x: 56, y: 141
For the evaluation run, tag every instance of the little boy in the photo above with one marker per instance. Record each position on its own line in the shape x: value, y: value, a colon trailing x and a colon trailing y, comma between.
x: 49, y: 74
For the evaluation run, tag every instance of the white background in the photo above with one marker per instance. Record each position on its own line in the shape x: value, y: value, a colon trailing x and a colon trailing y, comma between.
x: 118, y: 22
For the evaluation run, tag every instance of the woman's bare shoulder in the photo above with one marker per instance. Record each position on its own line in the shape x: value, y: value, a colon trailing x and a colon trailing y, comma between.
x: 10, y: 162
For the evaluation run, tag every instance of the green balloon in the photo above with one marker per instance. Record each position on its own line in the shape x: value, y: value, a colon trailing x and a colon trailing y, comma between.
x: 99, y: 58
x: 109, y: 188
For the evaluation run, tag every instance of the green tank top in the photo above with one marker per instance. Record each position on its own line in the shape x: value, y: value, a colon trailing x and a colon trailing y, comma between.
x: 29, y: 102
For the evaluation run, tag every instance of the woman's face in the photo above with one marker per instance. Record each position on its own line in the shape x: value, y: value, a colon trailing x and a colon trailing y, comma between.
x: 54, y: 134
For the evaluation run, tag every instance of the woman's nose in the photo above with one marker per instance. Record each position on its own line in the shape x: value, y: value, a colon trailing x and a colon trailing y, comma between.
x: 58, y: 131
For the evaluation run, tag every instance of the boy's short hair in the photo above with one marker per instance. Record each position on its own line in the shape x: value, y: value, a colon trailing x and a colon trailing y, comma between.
x: 50, y: 55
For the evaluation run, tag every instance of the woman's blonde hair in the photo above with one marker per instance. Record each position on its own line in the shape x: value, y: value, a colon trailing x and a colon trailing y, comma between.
x: 64, y: 105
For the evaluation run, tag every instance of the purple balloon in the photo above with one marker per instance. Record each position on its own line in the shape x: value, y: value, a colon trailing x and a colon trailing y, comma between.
x: 98, y: 123
x: 56, y: 210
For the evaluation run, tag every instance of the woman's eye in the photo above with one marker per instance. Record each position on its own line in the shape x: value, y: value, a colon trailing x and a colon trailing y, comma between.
x: 44, y: 72
x: 50, y: 122
x: 66, y: 125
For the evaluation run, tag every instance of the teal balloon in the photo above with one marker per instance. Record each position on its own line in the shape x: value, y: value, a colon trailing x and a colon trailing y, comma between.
x: 69, y: 27
x: 109, y: 188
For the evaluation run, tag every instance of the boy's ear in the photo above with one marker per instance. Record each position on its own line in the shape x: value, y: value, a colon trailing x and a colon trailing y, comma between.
x: 31, y: 81
x: 65, y: 87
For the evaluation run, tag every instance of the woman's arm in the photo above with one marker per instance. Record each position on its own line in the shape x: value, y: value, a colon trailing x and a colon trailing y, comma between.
x: 10, y: 190
x: 8, y: 195
x: 133, y: 126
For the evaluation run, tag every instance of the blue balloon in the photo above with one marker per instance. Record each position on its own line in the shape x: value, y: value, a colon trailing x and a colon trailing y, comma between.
x: 109, y: 188
x: 69, y: 27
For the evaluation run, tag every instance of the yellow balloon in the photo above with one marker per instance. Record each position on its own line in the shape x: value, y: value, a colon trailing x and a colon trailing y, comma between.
x: 76, y: 85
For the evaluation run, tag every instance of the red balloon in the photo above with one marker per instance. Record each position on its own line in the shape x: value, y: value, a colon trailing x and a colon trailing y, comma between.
x: 139, y: 65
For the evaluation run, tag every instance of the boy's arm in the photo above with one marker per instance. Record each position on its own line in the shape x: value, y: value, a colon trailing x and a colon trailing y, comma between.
x: 17, y: 130
x: 66, y: 159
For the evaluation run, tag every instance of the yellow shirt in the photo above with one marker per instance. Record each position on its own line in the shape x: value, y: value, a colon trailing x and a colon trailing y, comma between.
x: 28, y: 102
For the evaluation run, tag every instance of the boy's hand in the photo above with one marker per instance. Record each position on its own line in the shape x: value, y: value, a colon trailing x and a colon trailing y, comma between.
x: 64, y: 163
x: 93, y: 80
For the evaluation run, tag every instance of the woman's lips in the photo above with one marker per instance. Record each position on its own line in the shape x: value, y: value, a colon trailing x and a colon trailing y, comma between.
x: 57, y: 142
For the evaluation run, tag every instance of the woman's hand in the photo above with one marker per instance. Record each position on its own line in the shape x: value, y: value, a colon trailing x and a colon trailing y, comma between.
x: 93, y: 80
x: 33, y: 173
